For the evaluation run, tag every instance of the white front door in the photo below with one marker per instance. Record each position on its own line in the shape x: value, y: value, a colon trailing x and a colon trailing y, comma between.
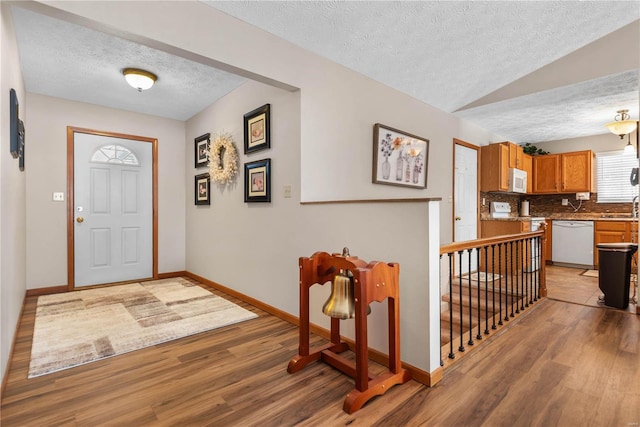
x: 465, y: 200
x: 113, y: 209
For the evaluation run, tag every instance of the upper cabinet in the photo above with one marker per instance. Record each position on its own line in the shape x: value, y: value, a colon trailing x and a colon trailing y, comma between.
x: 495, y: 162
x: 563, y: 173
x: 494, y: 167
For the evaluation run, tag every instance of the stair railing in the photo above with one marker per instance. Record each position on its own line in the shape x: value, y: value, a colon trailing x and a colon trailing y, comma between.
x: 507, y: 278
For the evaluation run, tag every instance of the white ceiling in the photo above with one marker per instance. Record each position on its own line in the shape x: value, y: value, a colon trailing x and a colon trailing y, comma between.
x: 448, y: 54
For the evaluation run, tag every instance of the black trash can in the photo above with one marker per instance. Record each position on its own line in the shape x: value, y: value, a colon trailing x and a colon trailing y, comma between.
x: 615, y: 272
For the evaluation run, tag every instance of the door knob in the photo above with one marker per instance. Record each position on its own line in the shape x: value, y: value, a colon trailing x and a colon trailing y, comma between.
x: 79, y: 219
x: 458, y: 218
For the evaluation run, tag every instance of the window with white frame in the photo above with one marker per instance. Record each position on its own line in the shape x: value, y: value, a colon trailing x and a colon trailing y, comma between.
x: 613, y: 170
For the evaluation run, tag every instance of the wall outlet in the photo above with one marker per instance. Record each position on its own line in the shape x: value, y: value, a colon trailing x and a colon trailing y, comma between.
x: 565, y: 202
x: 583, y: 196
x: 58, y: 197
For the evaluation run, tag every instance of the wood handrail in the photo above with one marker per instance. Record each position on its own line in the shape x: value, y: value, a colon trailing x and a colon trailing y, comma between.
x: 488, y: 241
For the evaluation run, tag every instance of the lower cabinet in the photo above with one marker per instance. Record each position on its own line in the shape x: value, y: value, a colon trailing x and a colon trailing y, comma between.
x: 613, y: 232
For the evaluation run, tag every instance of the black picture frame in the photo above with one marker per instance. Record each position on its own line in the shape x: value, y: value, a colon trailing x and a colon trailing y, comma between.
x: 257, y: 129
x: 399, y: 158
x: 202, y: 189
x: 201, y: 150
x: 21, y: 145
x: 14, y: 124
x: 257, y: 181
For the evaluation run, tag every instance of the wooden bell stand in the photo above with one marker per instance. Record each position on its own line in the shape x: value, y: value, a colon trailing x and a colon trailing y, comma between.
x: 375, y: 281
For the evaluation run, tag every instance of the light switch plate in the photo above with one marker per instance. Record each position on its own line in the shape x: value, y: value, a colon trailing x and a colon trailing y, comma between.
x: 565, y: 202
x: 583, y: 196
x: 58, y: 197
x: 287, y: 191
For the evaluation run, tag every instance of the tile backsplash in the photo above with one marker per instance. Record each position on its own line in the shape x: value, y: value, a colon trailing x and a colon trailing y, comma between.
x: 550, y: 204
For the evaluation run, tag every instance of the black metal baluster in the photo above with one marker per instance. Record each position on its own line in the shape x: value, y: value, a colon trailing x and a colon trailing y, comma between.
x: 512, y: 277
x: 486, y: 291
x: 479, y: 336
x: 493, y: 286
x: 451, y: 268
x: 537, y: 273
x: 461, y: 348
x: 518, y: 274
x: 530, y: 261
x: 470, y: 342
x: 500, y: 245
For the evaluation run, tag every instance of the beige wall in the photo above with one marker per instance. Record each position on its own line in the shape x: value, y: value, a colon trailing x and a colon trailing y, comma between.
x: 12, y: 195
x: 597, y: 143
x: 47, y: 173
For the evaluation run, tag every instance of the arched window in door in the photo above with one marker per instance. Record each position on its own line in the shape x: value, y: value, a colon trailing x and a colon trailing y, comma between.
x: 115, y: 154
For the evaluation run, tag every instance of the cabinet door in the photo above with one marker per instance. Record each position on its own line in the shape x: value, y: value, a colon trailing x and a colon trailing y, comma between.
x: 527, y: 165
x: 576, y: 171
x: 494, y: 171
x: 609, y: 232
x: 546, y: 170
x: 548, y: 236
x: 515, y: 155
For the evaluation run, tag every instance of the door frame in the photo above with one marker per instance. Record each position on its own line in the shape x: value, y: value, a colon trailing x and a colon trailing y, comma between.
x: 457, y: 141
x: 71, y: 131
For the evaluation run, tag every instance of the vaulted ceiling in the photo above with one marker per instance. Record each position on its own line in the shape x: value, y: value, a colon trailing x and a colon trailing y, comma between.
x: 528, y: 71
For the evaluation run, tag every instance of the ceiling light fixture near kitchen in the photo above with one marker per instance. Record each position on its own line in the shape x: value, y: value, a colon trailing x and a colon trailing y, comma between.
x: 139, y: 79
x: 622, y: 124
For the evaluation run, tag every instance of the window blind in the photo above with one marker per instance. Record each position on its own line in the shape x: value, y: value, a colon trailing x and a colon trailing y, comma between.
x: 613, y: 172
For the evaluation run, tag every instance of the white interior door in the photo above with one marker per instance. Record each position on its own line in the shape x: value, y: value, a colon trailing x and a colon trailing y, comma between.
x: 466, y: 198
x: 113, y: 209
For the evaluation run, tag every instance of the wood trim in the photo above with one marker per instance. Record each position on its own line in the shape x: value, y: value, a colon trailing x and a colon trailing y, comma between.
x: 488, y: 241
x: 338, y: 202
x: 172, y: 274
x: 13, y: 346
x: 47, y: 291
x: 417, y: 374
x: 71, y: 131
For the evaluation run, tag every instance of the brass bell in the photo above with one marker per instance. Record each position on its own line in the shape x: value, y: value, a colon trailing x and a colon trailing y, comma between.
x: 341, y: 302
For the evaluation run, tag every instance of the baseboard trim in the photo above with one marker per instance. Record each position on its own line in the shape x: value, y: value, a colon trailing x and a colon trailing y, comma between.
x: 5, y: 377
x: 47, y: 291
x: 424, y: 377
x: 171, y: 275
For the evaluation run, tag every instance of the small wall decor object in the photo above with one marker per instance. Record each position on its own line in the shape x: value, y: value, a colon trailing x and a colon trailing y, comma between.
x: 14, y: 124
x: 257, y: 129
x: 201, y: 147
x: 257, y: 181
x: 223, y: 159
x: 376, y: 281
x: 399, y: 158
x: 202, y: 187
x: 21, y: 144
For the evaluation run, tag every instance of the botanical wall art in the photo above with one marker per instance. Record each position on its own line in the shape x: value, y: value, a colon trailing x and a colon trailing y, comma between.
x: 202, y: 188
x: 14, y: 124
x: 201, y: 146
x: 399, y: 158
x: 21, y: 145
x: 223, y: 159
x: 257, y: 129
x: 257, y: 181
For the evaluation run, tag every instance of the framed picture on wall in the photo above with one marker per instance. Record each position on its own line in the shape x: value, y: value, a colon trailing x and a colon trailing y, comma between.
x: 257, y: 129
x: 14, y: 124
x: 202, y: 187
x: 257, y: 181
x: 201, y: 150
x: 399, y: 158
x: 21, y: 146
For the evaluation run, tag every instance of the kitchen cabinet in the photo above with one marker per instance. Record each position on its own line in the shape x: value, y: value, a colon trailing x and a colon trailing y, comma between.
x: 494, y: 168
x: 613, y: 232
x: 516, y: 155
x: 527, y: 166
x: 563, y: 173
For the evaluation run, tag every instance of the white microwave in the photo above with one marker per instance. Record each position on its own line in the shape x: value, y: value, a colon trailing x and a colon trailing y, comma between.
x: 517, y: 180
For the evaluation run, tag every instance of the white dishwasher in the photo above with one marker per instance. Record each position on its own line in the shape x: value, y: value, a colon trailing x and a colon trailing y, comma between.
x: 572, y: 243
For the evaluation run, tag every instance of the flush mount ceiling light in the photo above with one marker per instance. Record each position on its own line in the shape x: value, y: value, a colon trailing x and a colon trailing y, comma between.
x: 139, y: 79
x: 622, y: 124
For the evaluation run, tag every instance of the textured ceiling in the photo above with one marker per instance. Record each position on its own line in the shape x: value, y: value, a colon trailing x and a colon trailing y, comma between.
x: 69, y: 61
x: 447, y: 54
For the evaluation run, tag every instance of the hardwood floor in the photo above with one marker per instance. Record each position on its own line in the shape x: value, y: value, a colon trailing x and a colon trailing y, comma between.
x: 562, y: 364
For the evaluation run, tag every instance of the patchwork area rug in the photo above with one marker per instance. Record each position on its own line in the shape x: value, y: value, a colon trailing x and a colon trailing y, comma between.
x: 79, y: 327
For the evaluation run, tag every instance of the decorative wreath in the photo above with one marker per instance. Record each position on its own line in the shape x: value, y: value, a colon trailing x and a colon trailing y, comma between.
x: 223, y: 159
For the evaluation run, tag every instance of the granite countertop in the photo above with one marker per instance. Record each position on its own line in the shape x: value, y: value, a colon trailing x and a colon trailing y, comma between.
x: 566, y: 217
